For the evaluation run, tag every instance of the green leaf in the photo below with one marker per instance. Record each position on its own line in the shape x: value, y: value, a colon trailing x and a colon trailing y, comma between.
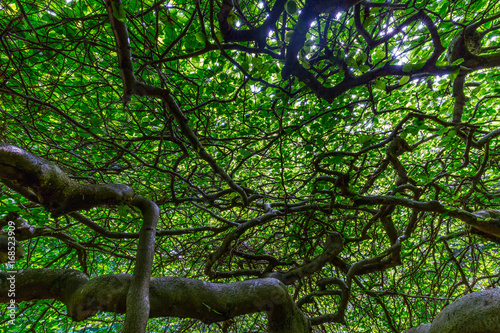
x: 119, y: 11
x: 365, y: 138
x: 369, y: 21
x: 302, y: 55
x: 200, y: 37
x: 458, y: 62
x: 231, y: 18
x: 257, y: 62
x: 418, y: 65
x: 407, y: 68
x: 361, y: 58
x: 341, y: 74
x: 123, y: 211
x: 245, y: 66
x: 413, y: 67
x: 291, y: 7
x: 167, y: 20
x: 455, y: 74
x: 245, y: 152
x: 379, y: 53
x: 351, y: 62
x: 98, y: 130
x: 404, y: 80
x: 364, y: 68
x: 309, y: 42
x: 219, y: 36
x: 337, y: 159
x: 379, y: 84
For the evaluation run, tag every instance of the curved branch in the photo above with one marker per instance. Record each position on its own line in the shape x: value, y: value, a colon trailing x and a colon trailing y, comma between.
x: 460, y: 99
x: 59, y: 194
x: 133, y: 87
x: 169, y: 297
x: 258, y: 35
x: 234, y: 235
x: 123, y: 50
x: 308, y: 14
x: 488, y: 225
x: 37, y: 178
x: 138, y: 294
x: 124, y: 235
x: 334, y: 245
x: 344, y: 294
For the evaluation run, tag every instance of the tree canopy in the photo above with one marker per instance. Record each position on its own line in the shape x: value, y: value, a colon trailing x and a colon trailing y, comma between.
x: 241, y: 166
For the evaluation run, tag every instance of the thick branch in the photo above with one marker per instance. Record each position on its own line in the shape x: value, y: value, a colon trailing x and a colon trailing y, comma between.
x: 60, y: 195
x: 330, y: 93
x: 460, y: 99
x: 258, y: 35
x: 308, y: 14
x: 124, y: 50
x: 37, y: 178
x: 138, y: 293
x: 169, y: 297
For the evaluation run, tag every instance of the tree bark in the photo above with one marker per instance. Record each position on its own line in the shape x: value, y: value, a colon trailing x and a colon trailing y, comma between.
x: 169, y: 297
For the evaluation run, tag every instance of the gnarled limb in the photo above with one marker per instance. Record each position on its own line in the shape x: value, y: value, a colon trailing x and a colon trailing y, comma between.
x: 258, y: 34
x: 478, y: 312
x: 308, y: 14
x: 40, y: 180
x: 343, y: 292
x: 43, y: 182
x: 138, y: 294
x: 169, y: 297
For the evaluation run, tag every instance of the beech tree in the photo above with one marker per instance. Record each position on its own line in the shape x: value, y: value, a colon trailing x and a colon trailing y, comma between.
x: 243, y: 166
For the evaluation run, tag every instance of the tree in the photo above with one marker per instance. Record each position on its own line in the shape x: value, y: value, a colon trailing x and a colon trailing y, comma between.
x: 172, y: 165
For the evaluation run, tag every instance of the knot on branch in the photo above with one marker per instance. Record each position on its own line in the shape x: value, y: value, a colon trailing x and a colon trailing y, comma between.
x: 465, y: 45
x: 103, y: 293
x: 397, y: 147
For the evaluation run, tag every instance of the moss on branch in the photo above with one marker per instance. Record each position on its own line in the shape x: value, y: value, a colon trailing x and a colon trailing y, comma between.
x: 41, y: 181
x: 169, y: 297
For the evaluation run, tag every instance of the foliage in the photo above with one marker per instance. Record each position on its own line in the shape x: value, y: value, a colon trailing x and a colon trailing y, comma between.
x: 339, y: 117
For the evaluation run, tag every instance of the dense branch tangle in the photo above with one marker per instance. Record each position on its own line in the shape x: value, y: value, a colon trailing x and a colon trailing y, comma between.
x: 340, y: 158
